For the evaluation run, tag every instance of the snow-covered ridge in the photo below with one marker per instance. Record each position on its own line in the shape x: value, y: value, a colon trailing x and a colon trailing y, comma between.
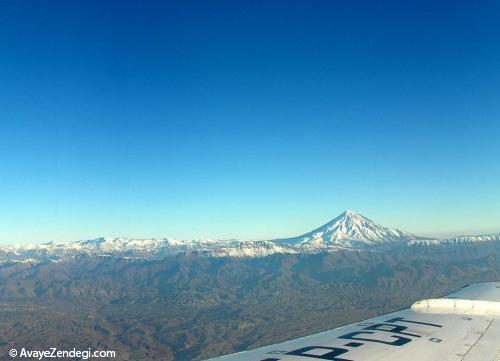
x: 247, y: 249
x: 348, y: 231
x: 481, y: 238
x: 458, y: 240
x: 118, y: 246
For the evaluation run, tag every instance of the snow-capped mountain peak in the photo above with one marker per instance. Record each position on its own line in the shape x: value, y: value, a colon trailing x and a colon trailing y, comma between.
x: 351, y: 230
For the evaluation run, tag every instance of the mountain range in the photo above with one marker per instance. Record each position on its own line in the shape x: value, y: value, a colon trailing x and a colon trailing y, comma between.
x: 167, y: 299
x: 348, y: 231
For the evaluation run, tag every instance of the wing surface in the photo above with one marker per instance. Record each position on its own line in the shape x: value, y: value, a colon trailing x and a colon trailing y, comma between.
x: 462, y: 326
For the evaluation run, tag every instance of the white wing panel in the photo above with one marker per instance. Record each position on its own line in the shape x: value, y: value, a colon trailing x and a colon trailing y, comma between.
x: 486, y: 349
x: 403, y: 335
x: 489, y: 291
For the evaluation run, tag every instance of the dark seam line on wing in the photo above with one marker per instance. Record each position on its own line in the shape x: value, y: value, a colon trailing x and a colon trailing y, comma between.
x: 482, y: 334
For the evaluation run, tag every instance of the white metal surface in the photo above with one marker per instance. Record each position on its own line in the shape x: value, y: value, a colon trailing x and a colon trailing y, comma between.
x: 462, y: 326
x: 457, y: 306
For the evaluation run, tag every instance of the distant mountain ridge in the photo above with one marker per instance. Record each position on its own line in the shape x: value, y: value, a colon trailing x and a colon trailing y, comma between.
x: 348, y: 231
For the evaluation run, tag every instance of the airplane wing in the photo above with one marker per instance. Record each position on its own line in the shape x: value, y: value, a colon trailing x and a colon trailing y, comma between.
x: 462, y: 326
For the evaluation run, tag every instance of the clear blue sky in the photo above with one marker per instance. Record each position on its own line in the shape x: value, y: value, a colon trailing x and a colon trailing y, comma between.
x: 247, y: 119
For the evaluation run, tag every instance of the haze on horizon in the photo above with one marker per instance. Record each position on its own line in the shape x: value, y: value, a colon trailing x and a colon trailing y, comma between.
x: 254, y: 121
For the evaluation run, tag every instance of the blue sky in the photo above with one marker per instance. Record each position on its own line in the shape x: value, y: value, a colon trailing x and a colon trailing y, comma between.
x: 247, y: 119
